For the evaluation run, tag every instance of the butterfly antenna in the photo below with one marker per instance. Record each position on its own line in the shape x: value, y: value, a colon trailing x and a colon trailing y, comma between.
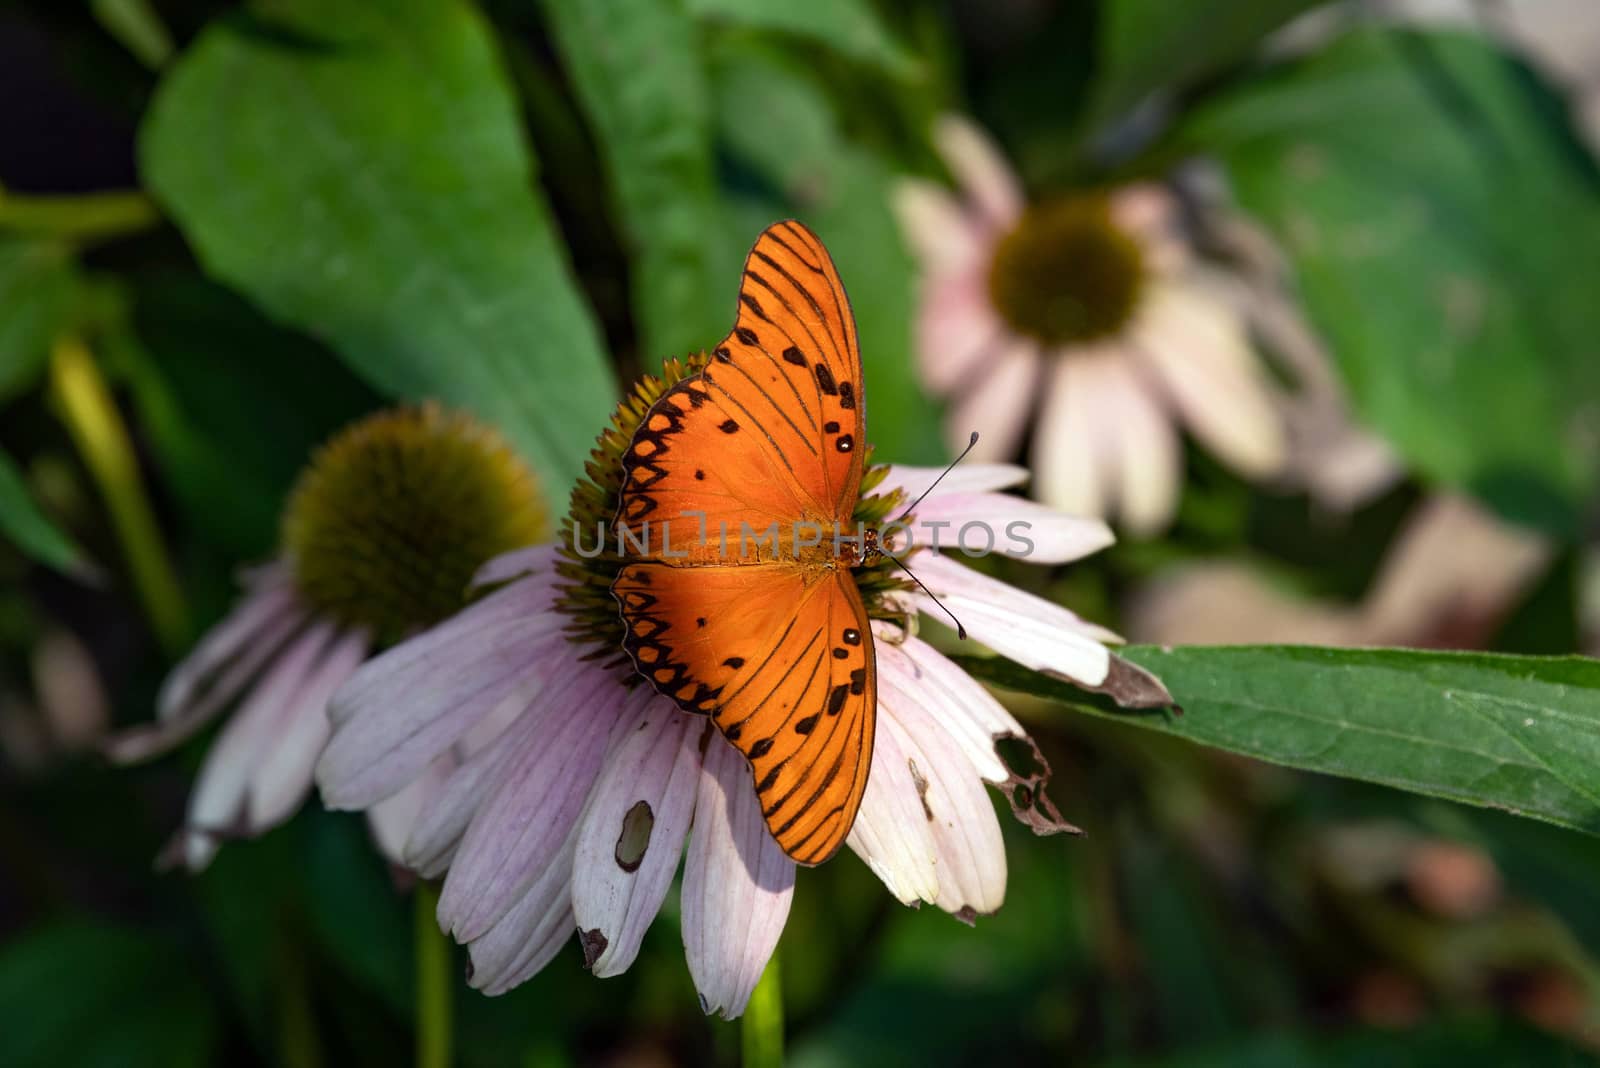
x: 961, y: 632
x: 923, y: 496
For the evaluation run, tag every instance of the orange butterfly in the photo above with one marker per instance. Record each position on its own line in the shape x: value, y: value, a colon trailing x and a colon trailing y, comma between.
x: 735, y: 608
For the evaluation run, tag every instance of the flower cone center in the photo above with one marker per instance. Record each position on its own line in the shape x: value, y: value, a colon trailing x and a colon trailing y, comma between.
x: 1066, y: 273
x: 388, y: 523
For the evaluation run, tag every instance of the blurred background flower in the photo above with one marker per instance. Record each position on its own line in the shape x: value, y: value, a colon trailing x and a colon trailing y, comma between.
x: 228, y: 231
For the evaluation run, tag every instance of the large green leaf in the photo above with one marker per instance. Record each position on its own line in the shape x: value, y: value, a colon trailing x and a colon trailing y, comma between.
x: 778, y: 122
x: 637, y: 70
x: 1442, y: 223
x: 22, y: 522
x: 1146, y: 45
x: 357, y: 168
x: 38, y: 286
x: 850, y: 26
x: 1516, y: 733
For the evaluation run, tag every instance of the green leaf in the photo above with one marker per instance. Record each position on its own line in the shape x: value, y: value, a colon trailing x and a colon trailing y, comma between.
x: 88, y: 994
x: 850, y: 26
x: 777, y: 122
x: 1441, y: 221
x: 22, y: 522
x: 637, y: 70
x: 1145, y: 45
x: 1518, y: 733
x: 38, y: 289
x: 358, y: 170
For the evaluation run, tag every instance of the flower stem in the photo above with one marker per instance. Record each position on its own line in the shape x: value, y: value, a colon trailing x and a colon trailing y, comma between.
x: 91, y: 417
x: 434, y: 979
x: 79, y: 216
x: 761, y: 1031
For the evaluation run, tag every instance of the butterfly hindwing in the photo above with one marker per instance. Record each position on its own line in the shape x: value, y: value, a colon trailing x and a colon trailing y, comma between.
x: 782, y: 661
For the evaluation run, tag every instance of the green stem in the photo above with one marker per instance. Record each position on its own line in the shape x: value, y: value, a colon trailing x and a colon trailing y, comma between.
x: 434, y: 982
x: 761, y: 1030
x: 78, y: 217
x: 91, y: 417
x: 297, y: 1026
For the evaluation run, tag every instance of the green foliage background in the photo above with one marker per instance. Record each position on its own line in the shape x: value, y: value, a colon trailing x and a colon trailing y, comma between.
x: 266, y: 219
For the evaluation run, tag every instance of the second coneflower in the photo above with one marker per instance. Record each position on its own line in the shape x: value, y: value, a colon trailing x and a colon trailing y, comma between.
x: 381, y: 536
x: 1088, y: 316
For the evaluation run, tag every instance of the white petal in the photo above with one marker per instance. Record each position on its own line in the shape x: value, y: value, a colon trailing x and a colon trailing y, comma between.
x: 971, y: 856
x: 410, y: 704
x: 283, y: 776
x: 965, y: 477
x: 1205, y: 362
x: 1147, y: 465
x: 1012, y: 525
x: 936, y: 228
x: 737, y: 885
x: 958, y: 332
x: 217, y: 804
x: 1068, y: 473
x: 631, y: 837
x: 531, y: 932
x: 968, y: 712
x: 983, y: 173
x: 529, y: 813
x: 1033, y: 632
x: 997, y: 405
x: 890, y: 833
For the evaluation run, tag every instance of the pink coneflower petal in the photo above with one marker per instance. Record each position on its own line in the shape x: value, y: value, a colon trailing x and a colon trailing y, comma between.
x: 1035, y: 633
x: 958, y: 332
x: 737, y: 885
x: 891, y: 834
x: 529, y: 811
x: 971, y: 856
x: 1147, y: 466
x: 943, y: 237
x: 631, y: 836
x: 405, y: 707
x: 532, y: 932
x: 269, y: 601
x: 1068, y: 465
x: 1149, y: 214
x: 971, y: 715
x: 967, y: 477
x: 183, y: 720
x: 283, y: 778
x: 1017, y: 527
x: 536, y: 558
x: 997, y: 406
x: 392, y: 820
x: 1204, y: 360
x: 216, y: 808
x: 980, y: 169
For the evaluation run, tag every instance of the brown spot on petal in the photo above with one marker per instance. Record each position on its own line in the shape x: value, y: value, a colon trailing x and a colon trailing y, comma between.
x: 594, y: 944
x: 1130, y: 686
x: 1025, y: 783
x: 634, y: 838
x: 967, y: 915
x: 922, y: 788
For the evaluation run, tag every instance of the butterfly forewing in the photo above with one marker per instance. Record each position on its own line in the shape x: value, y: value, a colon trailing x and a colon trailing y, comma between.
x: 721, y: 614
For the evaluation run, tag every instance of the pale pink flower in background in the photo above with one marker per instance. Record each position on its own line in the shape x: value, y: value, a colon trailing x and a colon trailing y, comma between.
x: 574, y: 819
x: 1449, y: 578
x: 389, y: 489
x: 1089, y: 318
x: 284, y: 662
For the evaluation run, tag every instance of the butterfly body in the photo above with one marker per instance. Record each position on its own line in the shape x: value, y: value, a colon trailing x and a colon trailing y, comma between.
x: 735, y: 516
